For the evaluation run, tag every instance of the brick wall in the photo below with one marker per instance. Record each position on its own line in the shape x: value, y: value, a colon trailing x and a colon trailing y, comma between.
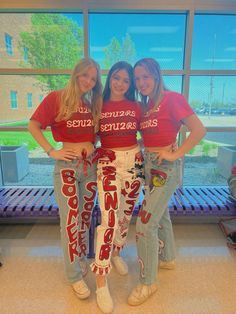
x: 13, y: 24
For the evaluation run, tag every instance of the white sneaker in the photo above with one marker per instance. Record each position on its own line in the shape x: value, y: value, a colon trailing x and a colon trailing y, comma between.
x: 81, y: 289
x: 167, y: 264
x: 120, y: 265
x: 104, y: 299
x: 83, y: 267
x: 141, y: 293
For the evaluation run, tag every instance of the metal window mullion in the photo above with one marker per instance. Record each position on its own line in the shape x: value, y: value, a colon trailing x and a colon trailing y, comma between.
x: 186, y: 76
x: 188, y: 53
x: 31, y: 71
x: 86, y: 32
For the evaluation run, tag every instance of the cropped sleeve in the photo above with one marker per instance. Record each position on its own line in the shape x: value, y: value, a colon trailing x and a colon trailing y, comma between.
x: 47, y: 110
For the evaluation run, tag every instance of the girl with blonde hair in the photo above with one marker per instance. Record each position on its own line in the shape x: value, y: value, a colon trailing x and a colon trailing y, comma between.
x: 73, y: 113
x: 163, y: 113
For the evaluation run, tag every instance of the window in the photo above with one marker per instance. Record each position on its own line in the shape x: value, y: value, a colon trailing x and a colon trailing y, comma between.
x: 135, y: 36
x: 43, y: 40
x: 214, y: 42
x: 8, y: 44
x: 214, y: 99
x: 173, y: 83
x: 29, y: 100
x: 13, y: 95
x: 25, y: 92
x: 26, y: 52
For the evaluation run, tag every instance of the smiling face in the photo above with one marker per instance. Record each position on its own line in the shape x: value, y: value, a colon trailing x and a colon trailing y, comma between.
x: 87, y: 79
x: 144, y: 81
x: 119, y: 84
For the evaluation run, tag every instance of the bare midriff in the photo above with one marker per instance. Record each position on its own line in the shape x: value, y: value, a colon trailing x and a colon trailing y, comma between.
x: 168, y: 148
x: 78, y: 148
x: 124, y: 148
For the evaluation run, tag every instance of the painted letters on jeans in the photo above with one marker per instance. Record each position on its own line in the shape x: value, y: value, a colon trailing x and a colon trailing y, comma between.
x: 132, y: 195
x: 111, y: 203
x: 77, y: 245
x: 143, y: 214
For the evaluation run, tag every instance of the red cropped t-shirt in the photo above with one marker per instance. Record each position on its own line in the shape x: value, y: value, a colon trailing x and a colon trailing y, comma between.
x: 119, y: 123
x: 78, y: 128
x: 160, y: 127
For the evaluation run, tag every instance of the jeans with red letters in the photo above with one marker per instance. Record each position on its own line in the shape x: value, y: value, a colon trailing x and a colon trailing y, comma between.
x: 120, y: 176
x: 154, y: 232
x: 75, y: 192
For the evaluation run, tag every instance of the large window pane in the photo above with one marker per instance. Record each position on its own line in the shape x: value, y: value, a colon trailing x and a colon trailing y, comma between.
x: 214, y: 99
x: 214, y: 42
x: 173, y: 83
x: 210, y: 162
x: 19, y: 97
x: 21, y: 94
x: 41, y: 40
x: 133, y: 36
x: 35, y: 168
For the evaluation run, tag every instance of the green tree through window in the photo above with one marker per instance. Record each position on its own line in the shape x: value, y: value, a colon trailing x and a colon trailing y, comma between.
x: 116, y: 51
x: 54, y: 41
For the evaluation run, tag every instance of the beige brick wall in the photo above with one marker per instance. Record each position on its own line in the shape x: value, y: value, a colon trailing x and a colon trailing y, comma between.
x: 22, y: 85
x: 13, y: 24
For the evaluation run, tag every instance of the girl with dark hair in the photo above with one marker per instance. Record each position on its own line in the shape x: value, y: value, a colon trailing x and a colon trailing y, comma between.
x: 163, y: 114
x: 119, y: 175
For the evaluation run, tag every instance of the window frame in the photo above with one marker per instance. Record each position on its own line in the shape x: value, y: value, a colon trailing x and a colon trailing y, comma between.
x: 29, y: 100
x: 13, y: 100
x: 8, y: 44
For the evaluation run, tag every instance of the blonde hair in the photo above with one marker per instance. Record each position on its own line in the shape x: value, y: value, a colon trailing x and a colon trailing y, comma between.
x: 71, y: 95
x: 152, y: 67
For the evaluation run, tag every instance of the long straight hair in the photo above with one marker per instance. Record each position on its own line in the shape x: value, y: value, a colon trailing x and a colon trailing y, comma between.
x: 153, y: 68
x: 72, y: 97
x: 121, y: 65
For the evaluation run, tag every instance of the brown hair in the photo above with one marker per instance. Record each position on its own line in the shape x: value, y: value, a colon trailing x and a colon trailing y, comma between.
x: 152, y: 67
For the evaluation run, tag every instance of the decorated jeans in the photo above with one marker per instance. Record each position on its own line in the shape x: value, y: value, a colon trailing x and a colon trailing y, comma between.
x: 120, y: 176
x: 154, y: 228
x: 75, y: 192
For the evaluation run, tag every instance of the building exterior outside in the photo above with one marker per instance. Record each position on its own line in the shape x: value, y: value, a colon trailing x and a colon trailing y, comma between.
x: 19, y: 94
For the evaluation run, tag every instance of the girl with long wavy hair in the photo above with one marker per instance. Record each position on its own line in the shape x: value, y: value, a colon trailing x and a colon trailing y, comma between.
x: 73, y: 114
x: 163, y: 113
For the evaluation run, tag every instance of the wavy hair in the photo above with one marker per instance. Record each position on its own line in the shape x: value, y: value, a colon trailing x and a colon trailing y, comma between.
x: 118, y: 66
x: 153, y: 68
x: 71, y: 95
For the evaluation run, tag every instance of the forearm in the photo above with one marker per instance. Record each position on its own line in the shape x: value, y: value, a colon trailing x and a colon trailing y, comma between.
x: 36, y: 132
x: 192, y: 140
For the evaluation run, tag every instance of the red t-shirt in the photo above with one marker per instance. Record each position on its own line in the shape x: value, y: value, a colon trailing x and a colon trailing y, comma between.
x: 119, y: 123
x: 160, y: 127
x: 78, y: 128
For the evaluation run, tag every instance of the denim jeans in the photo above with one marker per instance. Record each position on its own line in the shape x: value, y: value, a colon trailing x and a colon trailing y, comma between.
x: 154, y: 228
x: 75, y: 189
x: 119, y: 184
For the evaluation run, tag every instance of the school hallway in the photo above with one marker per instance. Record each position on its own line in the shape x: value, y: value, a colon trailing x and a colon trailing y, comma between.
x: 32, y: 279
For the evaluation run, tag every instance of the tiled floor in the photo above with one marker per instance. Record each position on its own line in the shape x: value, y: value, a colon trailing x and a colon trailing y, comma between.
x: 32, y: 278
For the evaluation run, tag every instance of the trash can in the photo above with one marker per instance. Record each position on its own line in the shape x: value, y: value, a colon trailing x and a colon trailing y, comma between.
x: 14, y: 163
x: 226, y: 159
